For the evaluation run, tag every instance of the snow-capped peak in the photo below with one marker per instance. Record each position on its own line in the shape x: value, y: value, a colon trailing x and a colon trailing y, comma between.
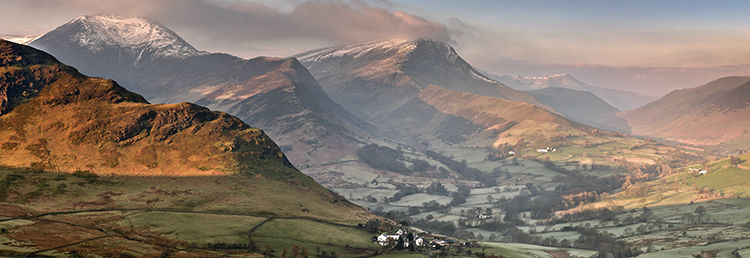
x: 99, y: 31
x: 356, y: 51
x: 540, y: 82
x: 20, y: 39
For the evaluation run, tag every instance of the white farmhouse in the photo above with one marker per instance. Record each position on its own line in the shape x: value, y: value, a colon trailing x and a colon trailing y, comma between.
x: 384, y: 239
x: 419, y: 241
x: 548, y: 149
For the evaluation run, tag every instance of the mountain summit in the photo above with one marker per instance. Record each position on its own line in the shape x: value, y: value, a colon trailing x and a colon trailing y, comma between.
x: 417, y: 63
x: 132, y: 39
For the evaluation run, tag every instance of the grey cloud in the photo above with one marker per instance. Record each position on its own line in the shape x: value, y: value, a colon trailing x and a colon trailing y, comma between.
x: 244, y: 27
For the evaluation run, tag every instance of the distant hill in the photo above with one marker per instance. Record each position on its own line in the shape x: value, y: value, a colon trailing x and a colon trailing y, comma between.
x: 709, y: 114
x: 583, y: 107
x: 623, y: 100
x: 276, y: 94
x: 502, y: 121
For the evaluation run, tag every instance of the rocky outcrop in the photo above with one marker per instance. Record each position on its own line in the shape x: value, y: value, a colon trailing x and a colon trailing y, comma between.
x: 57, y: 118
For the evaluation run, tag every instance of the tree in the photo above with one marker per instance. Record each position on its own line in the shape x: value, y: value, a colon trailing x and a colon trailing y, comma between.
x: 735, y: 161
x: 295, y: 251
x: 700, y: 214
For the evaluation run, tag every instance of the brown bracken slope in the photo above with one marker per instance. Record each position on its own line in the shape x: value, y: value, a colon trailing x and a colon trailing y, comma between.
x: 712, y: 113
x: 56, y: 119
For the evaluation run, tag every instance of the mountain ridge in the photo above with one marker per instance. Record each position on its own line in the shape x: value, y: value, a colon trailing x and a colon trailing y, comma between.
x: 401, y: 61
x: 86, y: 112
x: 621, y: 99
x: 583, y: 107
x: 311, y: 127
x: 706, y: 114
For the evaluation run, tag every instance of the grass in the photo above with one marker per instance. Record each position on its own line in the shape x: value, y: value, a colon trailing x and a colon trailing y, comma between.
x: 213, y: 209
x: 279, y: 234
x: 196, y: 228
x: 250, y: 195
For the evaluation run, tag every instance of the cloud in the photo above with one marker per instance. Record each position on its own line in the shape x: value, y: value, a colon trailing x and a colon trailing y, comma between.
x: 249, y: 28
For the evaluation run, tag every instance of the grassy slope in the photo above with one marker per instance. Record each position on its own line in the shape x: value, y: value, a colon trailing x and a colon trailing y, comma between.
x: 179, y: 157
x: 722, y: 181
x: 704, y: 115
x: 185, y: 213
x: 532, y: 127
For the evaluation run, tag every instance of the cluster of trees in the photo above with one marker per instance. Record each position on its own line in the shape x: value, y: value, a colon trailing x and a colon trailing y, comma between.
x: 460, y: 195
x: 447, y: 228
x: 542, y: 203
x: 487, y: 179
x: 501, y: 151
x: 436, y: 188
x: 603, y: 214
x: 605, y: 243
x: 385, y: 158
x: 476, y: 212
x: 403, y: 190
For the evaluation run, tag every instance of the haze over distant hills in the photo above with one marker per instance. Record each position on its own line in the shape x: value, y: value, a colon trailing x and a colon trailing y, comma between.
x: 583, y: 107
x: 714, y: 112
x: 623, y: 100
x: 278, y: 95
x: 385, y: 83
x: 381, y: 82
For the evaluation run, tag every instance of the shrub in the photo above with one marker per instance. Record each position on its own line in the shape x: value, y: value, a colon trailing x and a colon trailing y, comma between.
x: 86, y: 175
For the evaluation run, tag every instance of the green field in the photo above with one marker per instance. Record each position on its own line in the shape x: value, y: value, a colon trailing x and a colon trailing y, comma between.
x: 191, y: 216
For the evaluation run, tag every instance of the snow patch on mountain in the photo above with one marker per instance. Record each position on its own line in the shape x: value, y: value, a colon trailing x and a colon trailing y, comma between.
x: 482, y: 77
x: 20, y: 39
x: 541, y: 82
x: 100, y: 31
x: 399, y: 47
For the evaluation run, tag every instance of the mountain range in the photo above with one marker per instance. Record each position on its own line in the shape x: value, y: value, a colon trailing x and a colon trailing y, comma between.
x: 276, y: 94
x: 622, y: 100
x: 397, y: 84
x: 113, y: 153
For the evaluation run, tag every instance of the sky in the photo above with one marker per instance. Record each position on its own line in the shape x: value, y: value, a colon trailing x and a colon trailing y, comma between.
x: 650, y: 47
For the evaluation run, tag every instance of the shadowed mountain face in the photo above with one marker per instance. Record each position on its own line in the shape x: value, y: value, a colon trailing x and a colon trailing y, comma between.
x: 709, y: 114
x: 623, y: 100
x: 423, y: 91
x: 278, y: 95
x: 583, y: 107
x: 381, y: 81
x: 56, y: 118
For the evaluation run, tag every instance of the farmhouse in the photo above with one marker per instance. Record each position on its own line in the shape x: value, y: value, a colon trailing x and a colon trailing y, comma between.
x: 419, y: 241
x: 548, y: 149
x: 385, y: 239
x: 699, y: 171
